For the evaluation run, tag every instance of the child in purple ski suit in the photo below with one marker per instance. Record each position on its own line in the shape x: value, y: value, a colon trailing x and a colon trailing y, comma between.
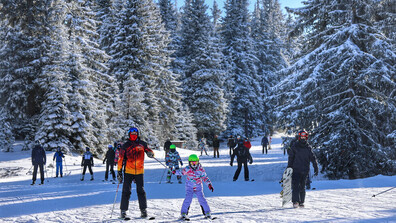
x: 196, y: 175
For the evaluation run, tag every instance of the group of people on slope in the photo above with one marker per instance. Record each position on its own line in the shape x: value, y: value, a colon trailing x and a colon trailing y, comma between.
x: 39, y: 159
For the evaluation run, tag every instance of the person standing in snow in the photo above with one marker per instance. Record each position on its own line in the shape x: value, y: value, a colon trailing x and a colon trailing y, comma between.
x: 87, y: 161
x: 300, y: 156
x: 172, y: 161
x: 166, y: 146
x: 131, y: 163
x: 243, y: 157
x: 196, y: 175
x: 109, y: 160
x: 264, y: 143
x: 231, y: 144
x: 39, y: 159
x: 58, y: 156
x: 216, y: 145
x: 202, y: 145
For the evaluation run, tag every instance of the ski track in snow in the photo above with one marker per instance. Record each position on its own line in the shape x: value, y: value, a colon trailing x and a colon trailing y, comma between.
x: 68, y: 199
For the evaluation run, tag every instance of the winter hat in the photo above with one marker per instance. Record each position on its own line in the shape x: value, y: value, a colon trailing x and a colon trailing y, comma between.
x: 110, y: 146
x: 87, y: 149
x: 193, y: 161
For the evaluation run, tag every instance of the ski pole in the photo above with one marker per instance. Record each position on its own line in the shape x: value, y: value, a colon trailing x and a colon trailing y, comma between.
x: 159, y: 162
x: 52, y: 172
x: 66, y: 167
x: 163, y: 175
x: 29, y: 170
x: 46, y: 174
x: 384, y: 191
x: 115, y: 198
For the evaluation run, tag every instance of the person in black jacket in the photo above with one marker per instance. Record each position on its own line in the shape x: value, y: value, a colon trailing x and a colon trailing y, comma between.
x: 216, y: 145
x: 38, y: 160
x: 109, y: 159
x: 167, y: 144
x: 243, y: 156
x: 300, y: 156
x: 87, y: 161
x: 231, y: 144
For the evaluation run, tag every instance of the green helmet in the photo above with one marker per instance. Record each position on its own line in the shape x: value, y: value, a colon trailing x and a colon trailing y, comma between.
x: 172, y: 147
x: 193, y: 157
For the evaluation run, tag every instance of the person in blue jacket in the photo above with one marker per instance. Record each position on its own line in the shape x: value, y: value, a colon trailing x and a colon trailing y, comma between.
x: 58, y: 156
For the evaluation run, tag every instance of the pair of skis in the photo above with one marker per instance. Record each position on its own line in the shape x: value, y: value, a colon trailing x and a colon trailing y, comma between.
x: 185, y: 218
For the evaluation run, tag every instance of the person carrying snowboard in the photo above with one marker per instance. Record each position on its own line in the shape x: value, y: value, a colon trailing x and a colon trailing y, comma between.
x: 131, y: 163
x: 38, y: 161
x: 243, y: 157
x: 172, y: 161
x: 196, y: 175
x: 300, y: 156
x: 109, y: 160
x: 87, y: 161
x: 58, y: 156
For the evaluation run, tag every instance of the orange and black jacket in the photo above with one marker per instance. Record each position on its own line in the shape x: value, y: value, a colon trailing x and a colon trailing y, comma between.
x: 132, y: 156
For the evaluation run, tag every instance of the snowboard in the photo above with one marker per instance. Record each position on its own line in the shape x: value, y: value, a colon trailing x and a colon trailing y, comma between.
x: 286, y: 193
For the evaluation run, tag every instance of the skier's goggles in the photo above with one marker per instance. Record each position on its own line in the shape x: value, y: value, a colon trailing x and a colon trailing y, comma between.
x: 194, y: 162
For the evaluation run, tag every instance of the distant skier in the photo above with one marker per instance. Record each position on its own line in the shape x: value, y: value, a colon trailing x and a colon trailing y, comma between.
x: 243, y: 157
x: 132, y: 161
x: 58, y: 156
x: 196, y: 175
x: 109, y: 160
x: 87, y: 161
x: 39, y: 159
x: 202, y: 146
x: 300, y: 156
x: 231, y: 144
x: 172, y: 161
x: 216, y: 145
x: 264, y: 143
x: 166, y: 146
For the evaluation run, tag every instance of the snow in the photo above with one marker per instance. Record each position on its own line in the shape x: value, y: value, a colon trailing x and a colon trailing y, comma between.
x: 68, y: 199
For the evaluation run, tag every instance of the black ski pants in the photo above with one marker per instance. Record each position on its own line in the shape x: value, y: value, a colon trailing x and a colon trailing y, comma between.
x: 89, y: 168
x: 111, y: 167
x: 245, y: 168
x: 126, y: 191
x: 265, y: 149
x: 298, y: 187
x: 35, y: 166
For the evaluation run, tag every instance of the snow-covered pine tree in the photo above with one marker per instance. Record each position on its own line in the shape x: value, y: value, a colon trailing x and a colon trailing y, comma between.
x: 246, y: 107
x: 20, y: 63
x: 90, y: 94
x: 185, y: 129
x: 385, y: 17
x: 204, y: 77
x: 54, y: 121
x: 342, y: 89
x: 7, y: 138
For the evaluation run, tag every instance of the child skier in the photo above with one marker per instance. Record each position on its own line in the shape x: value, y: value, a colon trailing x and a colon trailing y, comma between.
x: 202, y: 146
x: 172, y: 161
x: 195, y: 176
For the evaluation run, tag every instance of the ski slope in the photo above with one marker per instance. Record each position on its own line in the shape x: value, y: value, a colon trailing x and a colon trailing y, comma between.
x: 68, y: 199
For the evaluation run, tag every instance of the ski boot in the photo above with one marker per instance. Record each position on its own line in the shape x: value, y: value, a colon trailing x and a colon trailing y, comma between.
x: 123, y: 215
x: 295, y: 205
x: 301, y: 205
x: 92, y: 178
x: 179, y: 179
x: 184, y: 217
x: 143, y: 213
x: 32, y: 183
x: 82, y: 178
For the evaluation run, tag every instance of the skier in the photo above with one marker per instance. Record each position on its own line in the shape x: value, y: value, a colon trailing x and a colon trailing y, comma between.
x: 109, y: 159
x: 87, y: 161
x: 172, y: 161
x: 166, y: 146
x: 132, y: 161
x: 216, y: 145
x: 195, y: 176
x: 300, y: 156
x: 243, y: 156
x: 264, y: 143
x: 38, y: 160
x: 117, y: 153
x: 58, y: 156
x: 202, y: 145
x: 231, y: 144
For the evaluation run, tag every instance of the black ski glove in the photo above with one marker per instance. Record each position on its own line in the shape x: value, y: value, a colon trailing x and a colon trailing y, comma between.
x: 119, y: 176
x: 211, y: 187
x: 230, y: 163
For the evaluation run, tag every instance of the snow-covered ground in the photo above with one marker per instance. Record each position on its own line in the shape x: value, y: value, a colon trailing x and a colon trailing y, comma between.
x: 68, y: 199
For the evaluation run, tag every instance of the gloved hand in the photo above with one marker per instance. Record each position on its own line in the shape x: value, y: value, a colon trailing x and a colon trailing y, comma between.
x: 150, y: 154
x: 211, y: 187
x: 181, y: 163
x: 82, y: 164
x: 251, y: 161
x: 174, y: 171
x: 119, y: 176
x: 316, y: 172
x: 230, y: 163
x: 103, y: 161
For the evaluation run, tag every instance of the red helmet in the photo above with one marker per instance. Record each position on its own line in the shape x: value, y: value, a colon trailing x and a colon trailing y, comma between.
x: 302, y: 134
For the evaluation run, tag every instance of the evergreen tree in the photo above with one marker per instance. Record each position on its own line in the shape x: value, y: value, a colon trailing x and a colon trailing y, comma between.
x: 342, y: 89
x: 246, y: 106
x: 7, y: 138
x: 204, y: 77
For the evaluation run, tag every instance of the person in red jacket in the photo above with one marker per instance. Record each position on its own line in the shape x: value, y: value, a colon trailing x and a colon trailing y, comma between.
x: 247, y: 143
x: 131, y: 163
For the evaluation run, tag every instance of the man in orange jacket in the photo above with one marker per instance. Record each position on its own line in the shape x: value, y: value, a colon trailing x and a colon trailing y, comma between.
x: 131, y: 163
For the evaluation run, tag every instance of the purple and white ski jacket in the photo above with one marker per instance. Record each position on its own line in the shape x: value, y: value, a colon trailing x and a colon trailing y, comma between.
x: 195, y: 177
